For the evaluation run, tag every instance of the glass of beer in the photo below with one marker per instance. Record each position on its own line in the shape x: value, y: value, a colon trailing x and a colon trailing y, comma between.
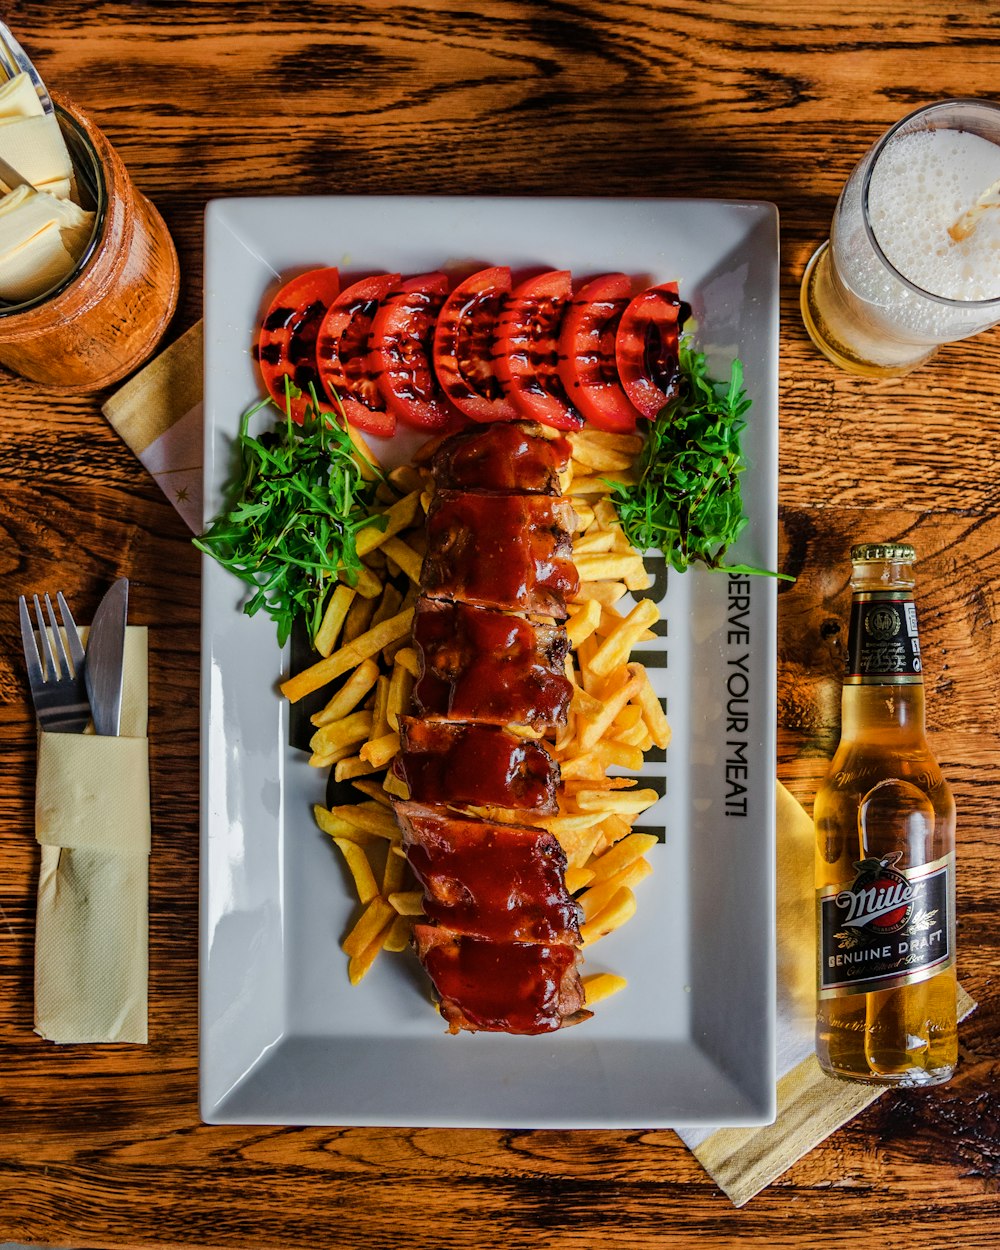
x: 913, y: 258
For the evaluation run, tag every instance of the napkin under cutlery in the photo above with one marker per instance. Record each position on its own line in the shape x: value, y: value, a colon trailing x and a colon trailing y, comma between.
x: 93, y: 824
x: 158, y: 414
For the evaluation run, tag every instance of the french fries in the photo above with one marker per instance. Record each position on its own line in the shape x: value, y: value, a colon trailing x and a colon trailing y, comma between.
x: 366, y: 658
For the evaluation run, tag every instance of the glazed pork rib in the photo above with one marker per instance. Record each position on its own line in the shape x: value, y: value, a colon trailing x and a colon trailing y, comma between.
x: 481, y: 665
x: 506, y: 987
x: 502, y: 946
x: 451, y: 762
x: 482, y: 879
x: 511, y: 552
x: 501, y: 457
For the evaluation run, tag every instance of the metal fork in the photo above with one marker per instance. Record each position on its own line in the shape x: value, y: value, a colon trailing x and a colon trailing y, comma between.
x: 14, y: 60
x: 57, y: 686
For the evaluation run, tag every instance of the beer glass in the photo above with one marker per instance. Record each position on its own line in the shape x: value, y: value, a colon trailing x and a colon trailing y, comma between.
x: 913, y: 258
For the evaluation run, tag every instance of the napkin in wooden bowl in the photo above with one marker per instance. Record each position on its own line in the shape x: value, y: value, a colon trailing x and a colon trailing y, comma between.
x: 159, y: 414
x: 92, y: 821
x: 43, y: 231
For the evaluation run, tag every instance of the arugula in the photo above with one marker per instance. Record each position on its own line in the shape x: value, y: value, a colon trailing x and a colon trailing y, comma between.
x: 687, y: 501
x: 296, y: 507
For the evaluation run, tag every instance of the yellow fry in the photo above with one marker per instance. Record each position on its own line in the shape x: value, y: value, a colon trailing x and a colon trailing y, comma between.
x: 379, y: 751
x: 408, y: 658
x: 601, y: 985
x: 346, y: 732
x: 620, y: 909
x: 333, y: 618
x: 376, y: 917
x: 407, y: 479
x: 398, y: 699
x: 603, y: 592
x: 404, y: 555
x: 349, y: 695
x: 407, y: 902
x: 347, y: 657
x: 595, y: 541
x: 584, y: 515
x: 394, y: 872
x: 361, y: 869
x: 653, y: 715
x: 621, y: 855
x: 577, y: 878
x: 615, y: 648
x: 355, y: 766
x: 594, y: 728
x: 583, y: 622
x: 600, y: 894
x: 365, y: 457
x: 395, y: 786
x: 337, y: 827
x: 398, y: 937
x: 371, y: 817
x: 358, y: 618
x: 367, y: 584
x: 609, y: 441
x: 400, y: 516
x: 358, y: 965
x: 374, y: 790
x: 600, y: 457
x: 388, y: 604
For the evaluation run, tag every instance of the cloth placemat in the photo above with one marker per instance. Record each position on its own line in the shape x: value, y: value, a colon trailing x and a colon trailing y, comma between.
x: 159, y: 415
x: 92, y: 822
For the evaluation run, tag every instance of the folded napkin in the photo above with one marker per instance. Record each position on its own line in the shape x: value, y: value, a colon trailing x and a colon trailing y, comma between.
x: 159, y: 414
x: 92, y: 821
x: 43, y: 232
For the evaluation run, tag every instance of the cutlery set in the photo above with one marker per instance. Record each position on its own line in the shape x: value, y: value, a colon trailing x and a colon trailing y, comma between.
x: 71, y: 685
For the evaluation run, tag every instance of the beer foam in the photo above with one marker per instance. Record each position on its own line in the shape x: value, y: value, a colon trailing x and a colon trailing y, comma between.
x: 921, y: 184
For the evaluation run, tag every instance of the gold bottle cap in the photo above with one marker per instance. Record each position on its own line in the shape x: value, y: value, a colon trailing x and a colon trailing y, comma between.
x: 869, y: 553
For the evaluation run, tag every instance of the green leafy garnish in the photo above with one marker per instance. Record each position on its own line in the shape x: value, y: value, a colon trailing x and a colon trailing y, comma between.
x: 297, y: 505
x: 687, y: 502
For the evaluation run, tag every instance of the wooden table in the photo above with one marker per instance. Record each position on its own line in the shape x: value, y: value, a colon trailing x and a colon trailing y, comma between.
x: 202, y: 98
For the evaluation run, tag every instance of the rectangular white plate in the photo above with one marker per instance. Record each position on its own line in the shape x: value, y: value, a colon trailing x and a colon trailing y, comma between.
x: 284, y: 1038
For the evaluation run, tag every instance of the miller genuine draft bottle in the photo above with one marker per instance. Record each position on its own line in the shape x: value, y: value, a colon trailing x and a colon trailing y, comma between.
x: 885, y: 853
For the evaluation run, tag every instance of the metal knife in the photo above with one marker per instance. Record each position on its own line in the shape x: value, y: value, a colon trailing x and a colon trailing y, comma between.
x: 105, y: 660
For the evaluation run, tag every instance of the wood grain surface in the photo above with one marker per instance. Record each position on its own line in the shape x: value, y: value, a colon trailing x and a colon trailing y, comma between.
x: 102, y: 1147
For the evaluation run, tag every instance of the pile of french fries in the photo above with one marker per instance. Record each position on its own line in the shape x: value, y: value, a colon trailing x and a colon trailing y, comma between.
x: 615, y: 715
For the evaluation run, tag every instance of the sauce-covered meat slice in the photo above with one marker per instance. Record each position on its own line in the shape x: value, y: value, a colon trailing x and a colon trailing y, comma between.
x: 482, y: 879
x: 482, y: 665
x: 508, y: 987
x: 504, y: 456
x: 511, y: 552
x: 449, y: 762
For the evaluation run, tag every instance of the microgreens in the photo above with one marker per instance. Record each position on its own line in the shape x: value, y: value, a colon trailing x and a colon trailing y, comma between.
x: 295, y: 509
x: 687, y: 502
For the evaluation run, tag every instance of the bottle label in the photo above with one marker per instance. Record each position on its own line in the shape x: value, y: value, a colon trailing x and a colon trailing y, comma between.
x: 883, y: 646
x: 886, y: 928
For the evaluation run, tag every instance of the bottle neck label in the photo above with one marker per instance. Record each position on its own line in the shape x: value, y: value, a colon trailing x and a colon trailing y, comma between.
x: 883, y: 646
x: 886, y: 928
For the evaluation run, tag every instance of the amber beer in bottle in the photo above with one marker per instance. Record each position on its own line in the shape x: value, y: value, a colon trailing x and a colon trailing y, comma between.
x: 885, y: 853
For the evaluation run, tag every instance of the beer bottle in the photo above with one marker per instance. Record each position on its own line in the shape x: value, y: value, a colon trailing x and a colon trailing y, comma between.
x: 885, y: 853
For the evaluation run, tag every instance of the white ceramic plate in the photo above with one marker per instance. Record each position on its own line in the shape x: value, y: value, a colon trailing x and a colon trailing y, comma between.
x: 284, y: 1038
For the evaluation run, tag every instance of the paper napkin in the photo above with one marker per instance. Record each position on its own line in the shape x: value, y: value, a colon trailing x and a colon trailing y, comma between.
x: 43, y: 232
x: 92, y: 821
x: 159, y: 415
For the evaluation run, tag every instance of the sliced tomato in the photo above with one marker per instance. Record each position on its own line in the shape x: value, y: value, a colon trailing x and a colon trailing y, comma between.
x: 463, y: 346
x: 402, y: 348
x: 286, y: 344
x: 587, y: 364
x: 343, y: 354
x: 527, y: 350
x: 646, y: 348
